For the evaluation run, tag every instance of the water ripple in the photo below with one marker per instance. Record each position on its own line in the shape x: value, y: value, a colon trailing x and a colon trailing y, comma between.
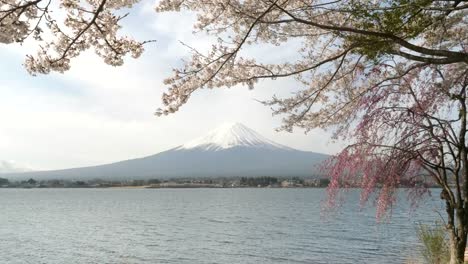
x: 198, y: 226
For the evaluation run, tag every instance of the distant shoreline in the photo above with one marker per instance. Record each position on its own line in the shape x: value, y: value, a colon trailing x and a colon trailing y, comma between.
x: 232, y: 182
x: 264, y: 182
x: 146, y: 187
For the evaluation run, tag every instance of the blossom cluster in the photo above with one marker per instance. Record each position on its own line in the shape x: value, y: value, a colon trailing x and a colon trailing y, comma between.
x: 91, y: 24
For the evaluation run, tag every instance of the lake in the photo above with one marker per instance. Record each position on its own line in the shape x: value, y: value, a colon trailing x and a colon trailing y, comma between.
x: 201, y: 226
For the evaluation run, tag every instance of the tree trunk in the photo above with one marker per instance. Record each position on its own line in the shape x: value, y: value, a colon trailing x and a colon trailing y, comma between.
x: 457, y: 251
x: 458, y: 237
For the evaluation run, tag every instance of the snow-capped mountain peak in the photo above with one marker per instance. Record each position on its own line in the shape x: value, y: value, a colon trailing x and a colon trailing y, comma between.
x: 231, y: 135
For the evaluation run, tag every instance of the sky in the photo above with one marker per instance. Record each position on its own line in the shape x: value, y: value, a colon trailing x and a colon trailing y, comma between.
x: 96, y: 113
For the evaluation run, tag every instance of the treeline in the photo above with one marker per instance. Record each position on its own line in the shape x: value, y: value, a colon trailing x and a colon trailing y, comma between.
x: 258, y: 181
x: 221, y: 182
x: 282, y: 182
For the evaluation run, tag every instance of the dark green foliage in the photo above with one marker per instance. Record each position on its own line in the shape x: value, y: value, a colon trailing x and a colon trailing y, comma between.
x: 258, y: 181
x: 4, y: 181
x: 154, y: 181
x: 324, y: 182
x: 405, y: 19
x: 32, y: 181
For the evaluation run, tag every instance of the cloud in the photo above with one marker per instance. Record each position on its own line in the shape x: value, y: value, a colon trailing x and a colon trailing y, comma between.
x: 11, y: 166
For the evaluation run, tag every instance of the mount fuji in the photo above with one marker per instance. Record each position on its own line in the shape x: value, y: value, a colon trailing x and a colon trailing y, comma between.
x: 232, y: 150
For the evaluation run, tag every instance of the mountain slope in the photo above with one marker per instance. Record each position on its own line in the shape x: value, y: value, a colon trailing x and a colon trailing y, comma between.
x: 229, y: 151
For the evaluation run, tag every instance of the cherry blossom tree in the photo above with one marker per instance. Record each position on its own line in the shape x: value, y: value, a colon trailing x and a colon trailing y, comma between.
x: 390, y: 77
x: 65, y: 28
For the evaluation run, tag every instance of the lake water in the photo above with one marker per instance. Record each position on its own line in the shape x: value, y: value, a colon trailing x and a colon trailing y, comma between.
x: 200, y: 226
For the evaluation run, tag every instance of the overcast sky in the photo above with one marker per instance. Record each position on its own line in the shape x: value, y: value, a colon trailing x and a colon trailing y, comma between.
x: 97, y: 113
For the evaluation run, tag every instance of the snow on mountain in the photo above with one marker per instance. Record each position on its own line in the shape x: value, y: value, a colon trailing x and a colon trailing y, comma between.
x: 232, y: 150
x: 232, y: 135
